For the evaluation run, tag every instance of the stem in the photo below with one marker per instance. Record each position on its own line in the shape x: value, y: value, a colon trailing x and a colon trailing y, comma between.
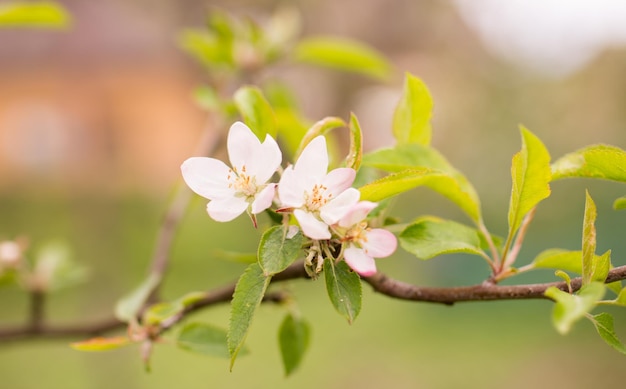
x: 521, y: 234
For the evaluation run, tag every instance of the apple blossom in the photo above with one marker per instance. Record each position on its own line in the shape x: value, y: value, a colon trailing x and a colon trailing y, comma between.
x: 364, y: 243
x: 318, y: 198
x: 242, y: 187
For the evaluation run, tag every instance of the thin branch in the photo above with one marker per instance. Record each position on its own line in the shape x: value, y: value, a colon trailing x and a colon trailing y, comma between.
x: 381, y: 283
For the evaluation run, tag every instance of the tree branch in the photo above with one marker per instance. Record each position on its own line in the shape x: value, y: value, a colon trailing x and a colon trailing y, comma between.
x: 381, y: 283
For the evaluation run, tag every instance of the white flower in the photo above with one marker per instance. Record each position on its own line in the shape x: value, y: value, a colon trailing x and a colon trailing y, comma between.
x: 364, y: 243
x: 243, y: 187
x: 318, y: 199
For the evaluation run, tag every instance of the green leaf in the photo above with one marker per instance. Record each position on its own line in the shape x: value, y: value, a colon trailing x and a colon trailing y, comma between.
x: 597, y: 161
x: 563, y: 275
x: 559, y: 259
x: 277, y: 251
x: 604, y: 325
x: 356, y: 144
x: 128, y: 307
x: 207, y: 48
x: 43, y: 14
x: 207, y: 98
x: 293, y: 339
x: 204, y: 339
x: 320, y: 128
x: 157, y: 313
x: 620, y: 204
x: 570, y: 308
x: 411, y: 119
x: 411, y: 156
x: 343, y: 54
x: 589, y: 240
x: 429, y: 237
x: 530, y: 174
x: 620, y: 299
x: 256, y: 111
x: 101, y: 344
x: 248, y: 294
x: 440, y: 182
x: 344, y: 289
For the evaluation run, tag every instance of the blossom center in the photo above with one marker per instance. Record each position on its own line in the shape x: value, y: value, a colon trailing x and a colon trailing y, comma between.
x: 316, y: 198
x: 358, y: 233
x: 241, y: 182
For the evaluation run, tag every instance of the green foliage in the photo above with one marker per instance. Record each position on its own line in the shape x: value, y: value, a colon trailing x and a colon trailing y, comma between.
x: 530, y: 173
x: 569, y: 308
x: 429, y: 237
x: 256, y: 111
x: 248, y: 294
x: 277, y: 250
x: 589, y: 241
x: 321, y: 127
x: 441, y: 182
x: 411, y: 119
x: 620, y: 203
x: 129, y: 306
x: 597, y: 161
x: 355, y: 155
x: 158, y: 313
x: 203, y: 338
x: 43, y: 14
x: 342, y: 54
x: 101, y: 344
x: 604, y: 325
x: 559, y: 259
x: 293, y: 338
x: 344, y: 289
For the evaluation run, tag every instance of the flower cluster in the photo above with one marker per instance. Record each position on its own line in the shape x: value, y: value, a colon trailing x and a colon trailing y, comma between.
x: 323, y: 203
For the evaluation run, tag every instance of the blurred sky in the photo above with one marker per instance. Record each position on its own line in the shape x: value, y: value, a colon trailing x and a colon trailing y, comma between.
x: 554, y: 37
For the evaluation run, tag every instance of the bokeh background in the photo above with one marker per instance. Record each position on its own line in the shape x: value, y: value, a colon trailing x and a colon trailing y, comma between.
x: 95, y: 121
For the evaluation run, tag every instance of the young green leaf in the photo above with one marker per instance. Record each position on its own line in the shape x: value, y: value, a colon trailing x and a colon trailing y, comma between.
x: 293, y: 339
x: 589, y: 240
x: 620, y: 203
x: 411, y: 119
x: 128, y: 307
x: 344, y: 289
x: 356, y: 144
x: 43, y: 14
x: 597, y: 161
x: 569, y: 308
x: 604, y: 325
x: 429, y: 237
x: 559, y: 259
x: 277, y: 250
x: 207, y: 48
x: 248, y: 294
x: 160, y: 312
x: 101, y: 344
x: 441, y: 182
x: 343, y: 54
x: 321, y: 127
x: 256, y: 111
x: 530, y: 174
x: 204, y: 339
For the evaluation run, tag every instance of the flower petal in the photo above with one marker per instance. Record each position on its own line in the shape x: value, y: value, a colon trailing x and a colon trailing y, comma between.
x: 263, y: 200
x: 338, y: 180
x: 338, y: 207
x: 241, y: 144
x: 265, y: 160
x: 225, y: 210
x: 208, y: 177
x: 359, y: 261
x: 311, y: 226
x: 291, y: 189
x: 379, y: 243
x: 313, y: 162
x: 357, y: 213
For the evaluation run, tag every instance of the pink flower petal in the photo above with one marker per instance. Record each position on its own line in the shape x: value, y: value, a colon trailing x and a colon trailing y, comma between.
x: 263, y: 200
x: 311, y: 226
x: 359, y: 261
x: 225, y: 210
x: 208, y: 177
x: 313, y: 162
x: 336, y: 208
x: 338, y: 180
x: 357, y: 213
x: 379, y: 243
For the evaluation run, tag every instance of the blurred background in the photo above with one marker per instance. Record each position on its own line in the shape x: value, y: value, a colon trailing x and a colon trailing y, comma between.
x: 95, y: 121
